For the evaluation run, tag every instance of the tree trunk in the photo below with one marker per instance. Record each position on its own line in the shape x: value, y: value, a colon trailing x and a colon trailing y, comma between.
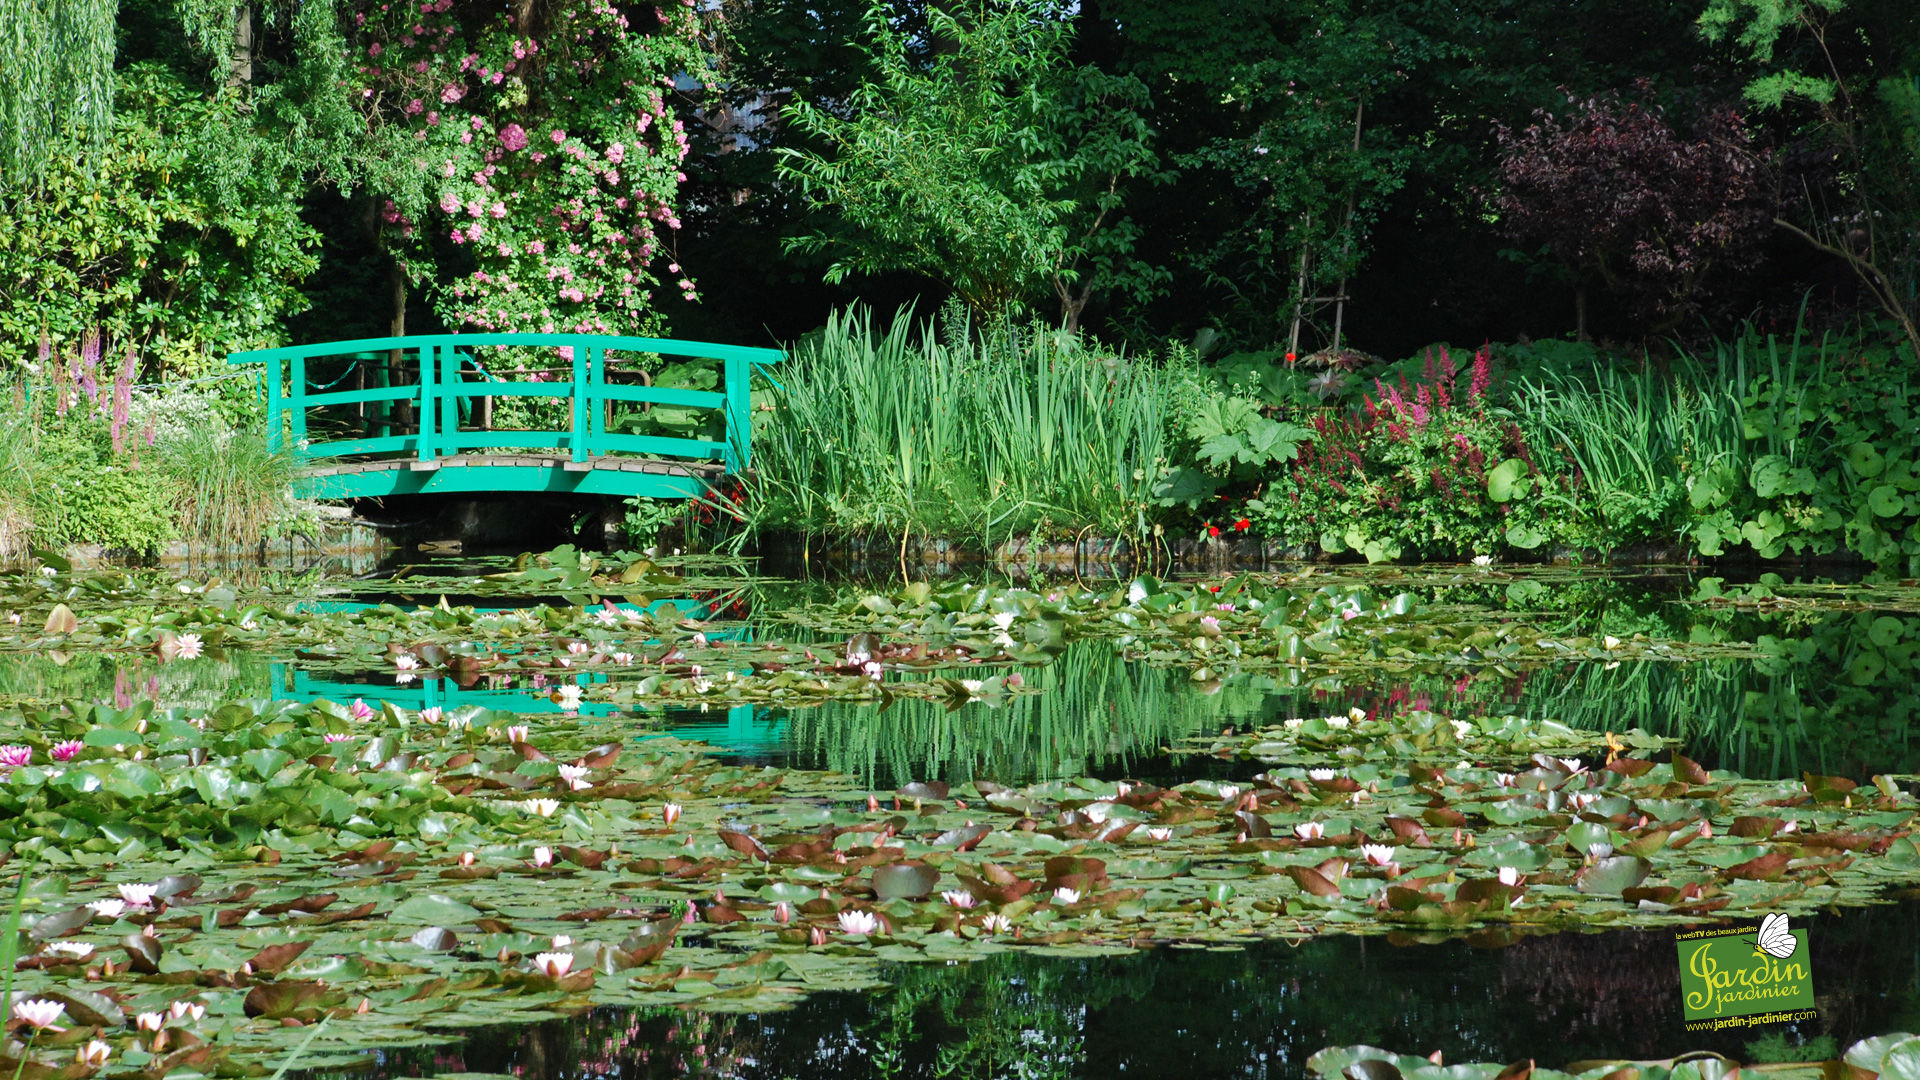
x: 1580, y: 312
x: 397, y: 291
x: 240, y: 69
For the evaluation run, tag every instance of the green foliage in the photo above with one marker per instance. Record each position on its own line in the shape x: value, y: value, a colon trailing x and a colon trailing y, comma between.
x: 998, y: 167
x: 1425, y: 470
x: 67, y: 486
x: 57, y: 77
x: 182, y: 234
x: 1230, y: 439
x: 900, y: 431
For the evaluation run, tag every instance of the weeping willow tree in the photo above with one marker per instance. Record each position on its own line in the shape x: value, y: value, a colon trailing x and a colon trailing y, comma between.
x: 58, y: 74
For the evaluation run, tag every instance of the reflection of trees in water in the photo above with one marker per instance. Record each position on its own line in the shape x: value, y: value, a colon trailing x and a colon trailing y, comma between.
x: 1258, y: 1012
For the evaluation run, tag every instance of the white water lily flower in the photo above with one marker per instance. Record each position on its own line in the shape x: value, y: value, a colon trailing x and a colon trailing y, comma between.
x: 1320, y: 774
x: 137, y: 895
x: 1504, y: 779
x: 430, y: 715
x: 1582, y: 800
x: 1377, y: 854
x: 1356, y: 714
x: 1610, y: 642
x: 1228, y: 791
x: 1461, y: 729
x: 1160, y: 834
x: 1599, y: 851
x: 1309, y: 830
x: 75, y: 950
x: 1336, y: 722
x: 1509, y: 876
x: 569, y: 696
x: 1294, y: 724
x: 542, y: 807
x: 858, y: 922
x: 1483, y: 561
x: 1573, y: 765
x: 561, y: 941
x: 623, y: 658
x: 150, y: 1021
x: 606, y: 617
x: 575, y: 776
x: 192, y: 1010
x: 959, y: 898
x: 405, y: 662
x: 576, y: 648
x: 972, y: 686
x: 517, y: 733
x: 1065, y: 895
x: 543, y: 856
x: 996, y: 924
x: 108, y: 909
x: 670, y: 812
x: 553, y: 964
x: 1004, y: 619
x: 188, y: 646
x: 94, y: 1055
x: 39, y: 1012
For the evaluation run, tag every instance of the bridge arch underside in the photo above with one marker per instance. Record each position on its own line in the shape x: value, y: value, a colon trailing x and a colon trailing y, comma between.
x: 622, y: 477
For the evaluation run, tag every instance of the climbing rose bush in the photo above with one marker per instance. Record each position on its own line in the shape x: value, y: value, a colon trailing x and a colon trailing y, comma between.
x: 547, y: 157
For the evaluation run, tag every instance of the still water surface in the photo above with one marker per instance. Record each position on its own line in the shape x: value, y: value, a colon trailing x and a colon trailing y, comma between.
x: 1811, y: 704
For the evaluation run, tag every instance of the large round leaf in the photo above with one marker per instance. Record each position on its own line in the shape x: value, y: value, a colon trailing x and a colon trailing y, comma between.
x: 1614, y: 875
x: 1886, y: 500
x: 909, y: 881
x: 434, y: 910
x: 1865, y: 460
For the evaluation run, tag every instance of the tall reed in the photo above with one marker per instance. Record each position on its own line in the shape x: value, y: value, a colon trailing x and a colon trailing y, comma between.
x: 897, y: 431
x: 233, y: 487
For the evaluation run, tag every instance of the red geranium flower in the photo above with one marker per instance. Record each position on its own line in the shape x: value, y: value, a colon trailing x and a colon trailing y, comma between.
x: 1243, y: 525
x: 1213, y: 530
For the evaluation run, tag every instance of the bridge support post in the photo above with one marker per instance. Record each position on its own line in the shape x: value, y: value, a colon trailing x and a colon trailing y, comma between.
x: 427, y: 355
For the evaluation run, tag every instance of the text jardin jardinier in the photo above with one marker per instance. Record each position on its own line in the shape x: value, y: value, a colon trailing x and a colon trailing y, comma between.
x: 1721, y: 974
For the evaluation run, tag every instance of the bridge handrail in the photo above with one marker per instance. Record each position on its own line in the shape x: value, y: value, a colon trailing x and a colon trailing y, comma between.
x: 440, y: 388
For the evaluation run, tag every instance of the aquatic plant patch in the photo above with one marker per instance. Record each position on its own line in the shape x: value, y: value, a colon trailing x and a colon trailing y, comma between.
x: 1895, y: 1056
x: 200, y: 886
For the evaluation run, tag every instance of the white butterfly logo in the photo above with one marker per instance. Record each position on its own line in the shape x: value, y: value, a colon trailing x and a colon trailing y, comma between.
x: 1775, y: 940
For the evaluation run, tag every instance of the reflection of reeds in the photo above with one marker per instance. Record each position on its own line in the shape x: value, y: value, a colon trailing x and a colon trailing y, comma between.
x: 1097, y: 711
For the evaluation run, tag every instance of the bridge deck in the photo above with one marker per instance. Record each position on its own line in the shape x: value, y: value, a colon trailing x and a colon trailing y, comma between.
x: 509, y: 472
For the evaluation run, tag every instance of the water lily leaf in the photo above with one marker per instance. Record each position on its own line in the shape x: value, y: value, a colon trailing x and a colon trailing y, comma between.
x: 274, y: 958
x: 87, y: 1007
x: 61, y: 922
x: 1867, y: 1053
x: 143, y: 953
x: 279, y: 1000
x: 1312, y: 881
x: 1613, y: 875
x: 434, y: 910
x: 1901, y: 1061
x: 745, y: 844
x: 912, y: 881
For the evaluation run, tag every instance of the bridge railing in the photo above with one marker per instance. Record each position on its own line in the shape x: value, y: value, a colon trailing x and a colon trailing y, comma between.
x: 442, y: 361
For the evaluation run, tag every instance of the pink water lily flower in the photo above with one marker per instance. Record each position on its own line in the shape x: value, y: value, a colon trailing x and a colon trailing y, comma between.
x: 13, y: 757
x: 959, y: 898
x: 360, y: 710
x: 1378, y: 854
x: 543, y: 856
x: 334, y: 736
x: 430, y: 715
x: 188, y: 646
x: 39, y: 1013
x: 66, y: 751
x: 1309, y: 830
x: 137, y: 895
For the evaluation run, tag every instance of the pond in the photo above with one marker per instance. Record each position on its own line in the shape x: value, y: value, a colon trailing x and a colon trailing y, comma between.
x: 565, y: 815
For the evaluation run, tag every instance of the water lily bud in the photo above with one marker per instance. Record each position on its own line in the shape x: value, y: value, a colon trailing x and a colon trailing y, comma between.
x: 873, y: 804
x: 783, y: 913
x: 816, y: 936
x: 670, y: 812
x: 466, y: 858
x: 93, y: 1055
x: 543, y: 857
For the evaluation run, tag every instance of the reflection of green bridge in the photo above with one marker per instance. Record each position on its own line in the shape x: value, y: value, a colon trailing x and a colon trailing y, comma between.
x: 419, y: 417
x: 744, y: 729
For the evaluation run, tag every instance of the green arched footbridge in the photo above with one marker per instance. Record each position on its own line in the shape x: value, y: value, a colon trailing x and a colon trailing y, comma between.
x: 510, y: 412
